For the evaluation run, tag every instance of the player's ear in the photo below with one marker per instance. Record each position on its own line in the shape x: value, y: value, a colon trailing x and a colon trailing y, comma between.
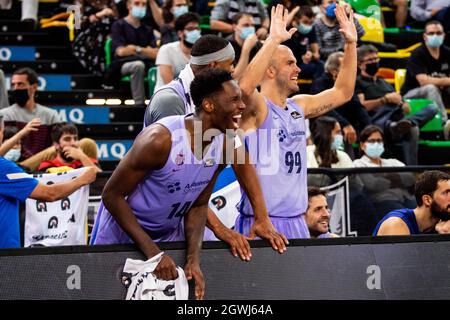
x: 270, y: 72
x: 208, y: 105
x: 427, y: 200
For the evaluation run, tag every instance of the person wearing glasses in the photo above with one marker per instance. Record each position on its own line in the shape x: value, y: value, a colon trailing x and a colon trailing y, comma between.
x: 428, y: 70
x: 387, y: 108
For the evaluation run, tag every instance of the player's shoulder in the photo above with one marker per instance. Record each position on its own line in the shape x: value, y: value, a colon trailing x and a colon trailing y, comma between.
x: 394, y: 226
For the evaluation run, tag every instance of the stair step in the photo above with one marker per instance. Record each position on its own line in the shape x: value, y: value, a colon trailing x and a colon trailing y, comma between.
x: 35, y: 38
x: 44, y: 66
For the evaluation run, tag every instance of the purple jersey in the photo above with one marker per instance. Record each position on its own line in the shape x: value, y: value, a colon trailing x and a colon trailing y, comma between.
x: 278, y: 149
x: 161, y: 199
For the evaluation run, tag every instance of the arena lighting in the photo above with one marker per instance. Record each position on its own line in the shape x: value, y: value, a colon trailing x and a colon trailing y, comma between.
x: 113, y: 102
x: 129, y: 102
x: 95, y: 102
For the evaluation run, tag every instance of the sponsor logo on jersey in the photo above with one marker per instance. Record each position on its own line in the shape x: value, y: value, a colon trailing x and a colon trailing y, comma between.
x: 295, y: 115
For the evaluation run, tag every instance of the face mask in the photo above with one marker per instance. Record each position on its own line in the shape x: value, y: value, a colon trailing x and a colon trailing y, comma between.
x: 330, y: 11
x: 435, y: 41
x: 13, y: 155
x: 191, y: 36
x: 21, y: 96
x: 374, y: 150
x: 246, y: 32
x: 304, y: 28
x: 372, y: 68
x: 138, y: 12
x: 337, y: 142
x: 178, y: 11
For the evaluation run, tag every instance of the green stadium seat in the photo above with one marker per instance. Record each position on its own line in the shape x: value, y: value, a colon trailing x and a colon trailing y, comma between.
x: 434, y: 124
x: 368, y: 8
x: 151, y: 76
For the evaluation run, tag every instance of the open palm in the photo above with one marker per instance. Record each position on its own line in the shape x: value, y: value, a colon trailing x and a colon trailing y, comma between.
x: 279, y: 23
x: 346, y: 24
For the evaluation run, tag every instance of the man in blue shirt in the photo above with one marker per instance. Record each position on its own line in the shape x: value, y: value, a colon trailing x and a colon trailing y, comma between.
x: 16, y: 186
x: 432, y: 214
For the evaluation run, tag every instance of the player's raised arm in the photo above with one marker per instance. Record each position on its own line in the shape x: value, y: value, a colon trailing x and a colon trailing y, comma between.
x: 344, y: 87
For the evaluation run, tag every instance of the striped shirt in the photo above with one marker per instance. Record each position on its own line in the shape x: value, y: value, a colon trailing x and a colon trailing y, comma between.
x: 224, y: 10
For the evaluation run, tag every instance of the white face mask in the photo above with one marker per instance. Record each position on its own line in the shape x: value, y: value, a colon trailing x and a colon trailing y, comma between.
x: 13, y: 155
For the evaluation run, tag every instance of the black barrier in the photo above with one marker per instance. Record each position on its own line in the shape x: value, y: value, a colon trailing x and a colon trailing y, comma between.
x: 347, y: 268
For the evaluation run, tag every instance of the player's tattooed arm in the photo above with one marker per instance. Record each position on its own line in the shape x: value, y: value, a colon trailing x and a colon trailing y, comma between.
x: 320, y: 110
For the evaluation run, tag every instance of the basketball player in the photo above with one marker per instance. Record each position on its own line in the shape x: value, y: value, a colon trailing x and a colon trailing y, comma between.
x: 275, y: 68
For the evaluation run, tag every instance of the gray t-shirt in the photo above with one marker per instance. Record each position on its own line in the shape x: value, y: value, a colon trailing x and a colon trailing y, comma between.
x: 18, y: 114
x: 164, y: 103
x: 172, y: 55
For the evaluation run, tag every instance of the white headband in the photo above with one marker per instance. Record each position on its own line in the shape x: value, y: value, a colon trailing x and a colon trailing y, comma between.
x: 221, y: 55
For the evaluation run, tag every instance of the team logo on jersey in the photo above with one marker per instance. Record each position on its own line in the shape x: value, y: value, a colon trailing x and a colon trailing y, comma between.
x: 219, y: 202
x: 209, y: 162
x: 65, y: 204
x: 295, y: 115
x: 41, y: 206
x: 53, y: 223
x: 281, y: 135
x: 179, y: 160
x: 169, y: 291
x: 173, y: 186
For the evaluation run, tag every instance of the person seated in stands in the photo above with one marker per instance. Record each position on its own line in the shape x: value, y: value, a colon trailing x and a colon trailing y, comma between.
x: 224, y: 11
x: 172, y: 10
x: 352, y: 116
x: 428, y: 71
x: 432, y: 214
x: 173, y: 57
x: 387, y: 108
x: 24, y: 83
x: 15, y: 188
x: 68, y: 153
x: 244, y: 41
x: 427, y: 10
x: 327, y: 29
x: 317, y: 215
x: 387, y: 191
x: 327, y: 138
x: 133, y: 48
x: 401, y: 10
x: 11, y: 147
x: 304, y: 44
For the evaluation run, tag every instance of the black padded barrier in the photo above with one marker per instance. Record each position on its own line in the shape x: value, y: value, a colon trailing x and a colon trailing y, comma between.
x: 409, y: 268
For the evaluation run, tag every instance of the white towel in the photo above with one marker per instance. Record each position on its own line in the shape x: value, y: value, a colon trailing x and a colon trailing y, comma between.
x: 145, y: 286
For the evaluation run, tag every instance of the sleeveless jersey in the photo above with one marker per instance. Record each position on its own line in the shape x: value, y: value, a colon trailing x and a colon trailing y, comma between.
x: 407, y: 215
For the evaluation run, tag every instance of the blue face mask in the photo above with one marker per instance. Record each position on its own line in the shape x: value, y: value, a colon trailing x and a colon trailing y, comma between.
x: 138, y: 12
x: 192, y: 36
x: 178, y: 11
x: 304, y: 28
x: 435, y: 41
x: 330, y: 11
x: 13, y: 155
x: 246, y: 32
x: 337, y: 142
x: 374, y: 150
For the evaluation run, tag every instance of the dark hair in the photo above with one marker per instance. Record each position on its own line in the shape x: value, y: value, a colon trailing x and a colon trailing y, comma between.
x: 305, y: 11
x: 364, y: 50
x: 32, y: 76
x: 183, y: 20
x: 168, y: 16
x: 9, y: 132
x: 238, y: 16
x: 367, y: 132
x: 433, y: 22
x: 60, y: 128
x: 321, y: 130
x: 207, y: 83
x: 208, y: 43
x: 316, y: 191
x: 427, y: 183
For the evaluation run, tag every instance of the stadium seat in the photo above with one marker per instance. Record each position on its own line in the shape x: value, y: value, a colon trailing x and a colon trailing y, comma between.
x: 400, y: 75
x: 373, y: 30
x: 151, y: 76
x: 387, y: 74
x: 368, y: 8
x: 434, y: 124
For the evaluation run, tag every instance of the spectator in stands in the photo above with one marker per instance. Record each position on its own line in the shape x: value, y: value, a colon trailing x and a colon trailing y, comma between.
x: 224, y: 11
x: 3, y: 92
x: 30, y: 12
x: 209, y: 51
x: 352, y: 116
x: 171, y: 10
x: 428, y: 71
x: 327, y: 29
x: 134, y: 48
x: 401, y: 10
x: 317, y: 215
x: 426, y: 10
x: 244, y: 41
x: 88, y: 46
x: 173, y: 57
x: 11, y: 147
x: 432, y: 214
x: 387, y: 191
x: 387, y: 108
x: 24, y: 83
x: 15, y: 190
x: 327, y: 139
x: 304, y: 44
x: 68, y: 152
